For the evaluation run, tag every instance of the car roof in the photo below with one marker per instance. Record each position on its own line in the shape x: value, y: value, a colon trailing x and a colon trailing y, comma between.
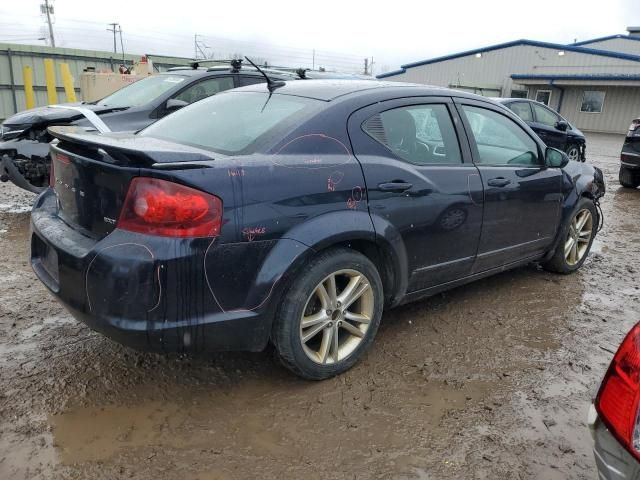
x: 517, y: 99
x: 224, y: 69
x: 329, y: 90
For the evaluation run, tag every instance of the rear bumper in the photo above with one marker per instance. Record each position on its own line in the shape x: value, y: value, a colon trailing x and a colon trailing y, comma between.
x: 150, y: 293
x: 612, y: 460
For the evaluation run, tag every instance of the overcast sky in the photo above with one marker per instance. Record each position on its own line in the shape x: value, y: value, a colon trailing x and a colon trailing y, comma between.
x: 342, y: 32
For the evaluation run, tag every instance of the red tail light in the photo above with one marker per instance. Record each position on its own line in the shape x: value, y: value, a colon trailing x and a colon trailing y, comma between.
x: 62, y: 159
x: 618, y: 399
x: 160, y: 207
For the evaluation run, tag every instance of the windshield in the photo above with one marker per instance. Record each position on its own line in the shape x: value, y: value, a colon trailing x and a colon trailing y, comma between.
x: 142, y: 92
x: 231, y: 123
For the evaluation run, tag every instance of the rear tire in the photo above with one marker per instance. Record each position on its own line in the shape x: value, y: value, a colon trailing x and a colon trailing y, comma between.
x: 339, y: 297
x: 577, y: 237
x: 628, y: 178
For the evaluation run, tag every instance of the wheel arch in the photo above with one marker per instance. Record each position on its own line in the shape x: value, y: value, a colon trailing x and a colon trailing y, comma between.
x: 373, y: 237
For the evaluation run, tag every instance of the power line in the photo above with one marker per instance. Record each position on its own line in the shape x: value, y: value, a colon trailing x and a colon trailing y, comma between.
x: 178, y: 45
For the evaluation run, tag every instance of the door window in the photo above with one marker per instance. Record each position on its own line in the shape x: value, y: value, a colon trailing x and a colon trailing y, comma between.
x: 205, y: 89
x: 545, y: 116
x: 523, y: 110
x: 419, y: 134
x: 499, y: 140
x: 543, y: 96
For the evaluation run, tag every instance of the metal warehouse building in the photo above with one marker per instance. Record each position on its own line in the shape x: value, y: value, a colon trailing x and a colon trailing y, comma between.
x: 595, y: 84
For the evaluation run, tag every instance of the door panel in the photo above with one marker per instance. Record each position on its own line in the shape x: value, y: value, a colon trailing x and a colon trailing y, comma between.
x: 522, y: 198
x: 420, y: 179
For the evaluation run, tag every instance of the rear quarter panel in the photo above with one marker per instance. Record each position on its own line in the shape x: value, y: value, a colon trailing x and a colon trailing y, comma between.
x: 306, y: 193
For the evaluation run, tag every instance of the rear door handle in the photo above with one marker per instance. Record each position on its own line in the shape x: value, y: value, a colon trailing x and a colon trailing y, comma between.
x: 395, y: 186
x: 499, y: 182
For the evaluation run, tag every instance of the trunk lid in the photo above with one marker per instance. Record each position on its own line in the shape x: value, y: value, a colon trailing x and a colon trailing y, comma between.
x: 92, y: 172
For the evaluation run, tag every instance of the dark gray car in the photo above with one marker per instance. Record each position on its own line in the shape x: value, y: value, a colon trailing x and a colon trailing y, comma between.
x: 552, y: 128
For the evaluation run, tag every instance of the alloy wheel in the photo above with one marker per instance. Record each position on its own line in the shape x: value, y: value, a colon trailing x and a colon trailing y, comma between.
x: 573, y: 153
x: 579, y: 237
x: 336, y: 316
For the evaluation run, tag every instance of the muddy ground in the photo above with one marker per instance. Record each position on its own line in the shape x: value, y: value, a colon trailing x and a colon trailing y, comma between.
x: 491, y: 380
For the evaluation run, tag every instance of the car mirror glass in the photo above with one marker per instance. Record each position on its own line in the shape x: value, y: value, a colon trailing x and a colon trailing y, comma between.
x: 562, y: 126
x: 175, y: 104
x: 555, y: 158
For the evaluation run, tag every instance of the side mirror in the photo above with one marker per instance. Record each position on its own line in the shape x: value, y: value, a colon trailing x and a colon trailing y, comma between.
x: 562, y: 126
x: 555, y: 158
x: 174, y: 104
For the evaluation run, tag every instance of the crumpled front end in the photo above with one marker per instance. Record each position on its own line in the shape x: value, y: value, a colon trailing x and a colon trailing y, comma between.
x: 24, y: 156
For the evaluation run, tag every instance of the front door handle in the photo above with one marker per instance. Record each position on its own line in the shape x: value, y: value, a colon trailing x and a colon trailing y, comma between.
x: 395, y: 186
x: 499, y: 182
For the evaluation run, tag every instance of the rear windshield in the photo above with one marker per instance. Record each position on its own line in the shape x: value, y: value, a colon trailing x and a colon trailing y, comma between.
x: 232, y: 123
x: 143, y: 91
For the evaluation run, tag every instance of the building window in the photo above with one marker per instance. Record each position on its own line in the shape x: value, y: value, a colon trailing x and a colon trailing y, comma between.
x: 518, y: 94
x: 592, y: 101
x: 543, y: 96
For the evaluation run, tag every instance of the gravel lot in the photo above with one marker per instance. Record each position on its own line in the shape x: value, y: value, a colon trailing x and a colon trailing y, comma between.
x: 491, y: 380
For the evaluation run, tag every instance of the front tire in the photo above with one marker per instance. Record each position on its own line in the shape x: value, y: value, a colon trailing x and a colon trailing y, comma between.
x: 578, y: 234
x: 330, y: 315
x: 628, y: 178
x: 573, y: 152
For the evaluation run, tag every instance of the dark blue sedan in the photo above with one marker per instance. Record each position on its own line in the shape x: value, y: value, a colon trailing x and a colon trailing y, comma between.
x: 295, y: 212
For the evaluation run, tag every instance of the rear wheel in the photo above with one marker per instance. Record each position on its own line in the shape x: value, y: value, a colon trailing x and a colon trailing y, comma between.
x: 330, y: 315
x: 628, y: 178
x: 573, y: 152
x: 577, y: 238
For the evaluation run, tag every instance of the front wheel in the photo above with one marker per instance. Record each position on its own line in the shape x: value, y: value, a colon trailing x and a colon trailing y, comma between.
x: 628, y: 178
x: 330, y: 315
x: 577, y: 237
x: 573, y: 152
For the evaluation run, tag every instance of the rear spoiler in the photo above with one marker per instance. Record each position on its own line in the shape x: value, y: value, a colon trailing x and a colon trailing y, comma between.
x: 129, y: 150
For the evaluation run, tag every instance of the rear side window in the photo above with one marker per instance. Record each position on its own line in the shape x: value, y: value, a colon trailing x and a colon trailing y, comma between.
x: 523, y: 110
x: 545, y: 116
x: 233, y: 123
x: 205, y: 88
x: 418, y: 134
x: 500, y: 140
x: 247, y: 80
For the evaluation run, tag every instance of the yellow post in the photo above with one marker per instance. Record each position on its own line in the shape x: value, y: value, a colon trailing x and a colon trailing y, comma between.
x: 67, y: 81
x: 50, y: 77
x: 27, y: 76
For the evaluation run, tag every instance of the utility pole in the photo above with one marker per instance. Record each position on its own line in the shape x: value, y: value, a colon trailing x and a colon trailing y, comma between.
x: 121, y: 43
x: 115, y: 31
x: 313, y: 61
x: 199, y: 48
x: 47, y: 9
x: 366, y: 66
